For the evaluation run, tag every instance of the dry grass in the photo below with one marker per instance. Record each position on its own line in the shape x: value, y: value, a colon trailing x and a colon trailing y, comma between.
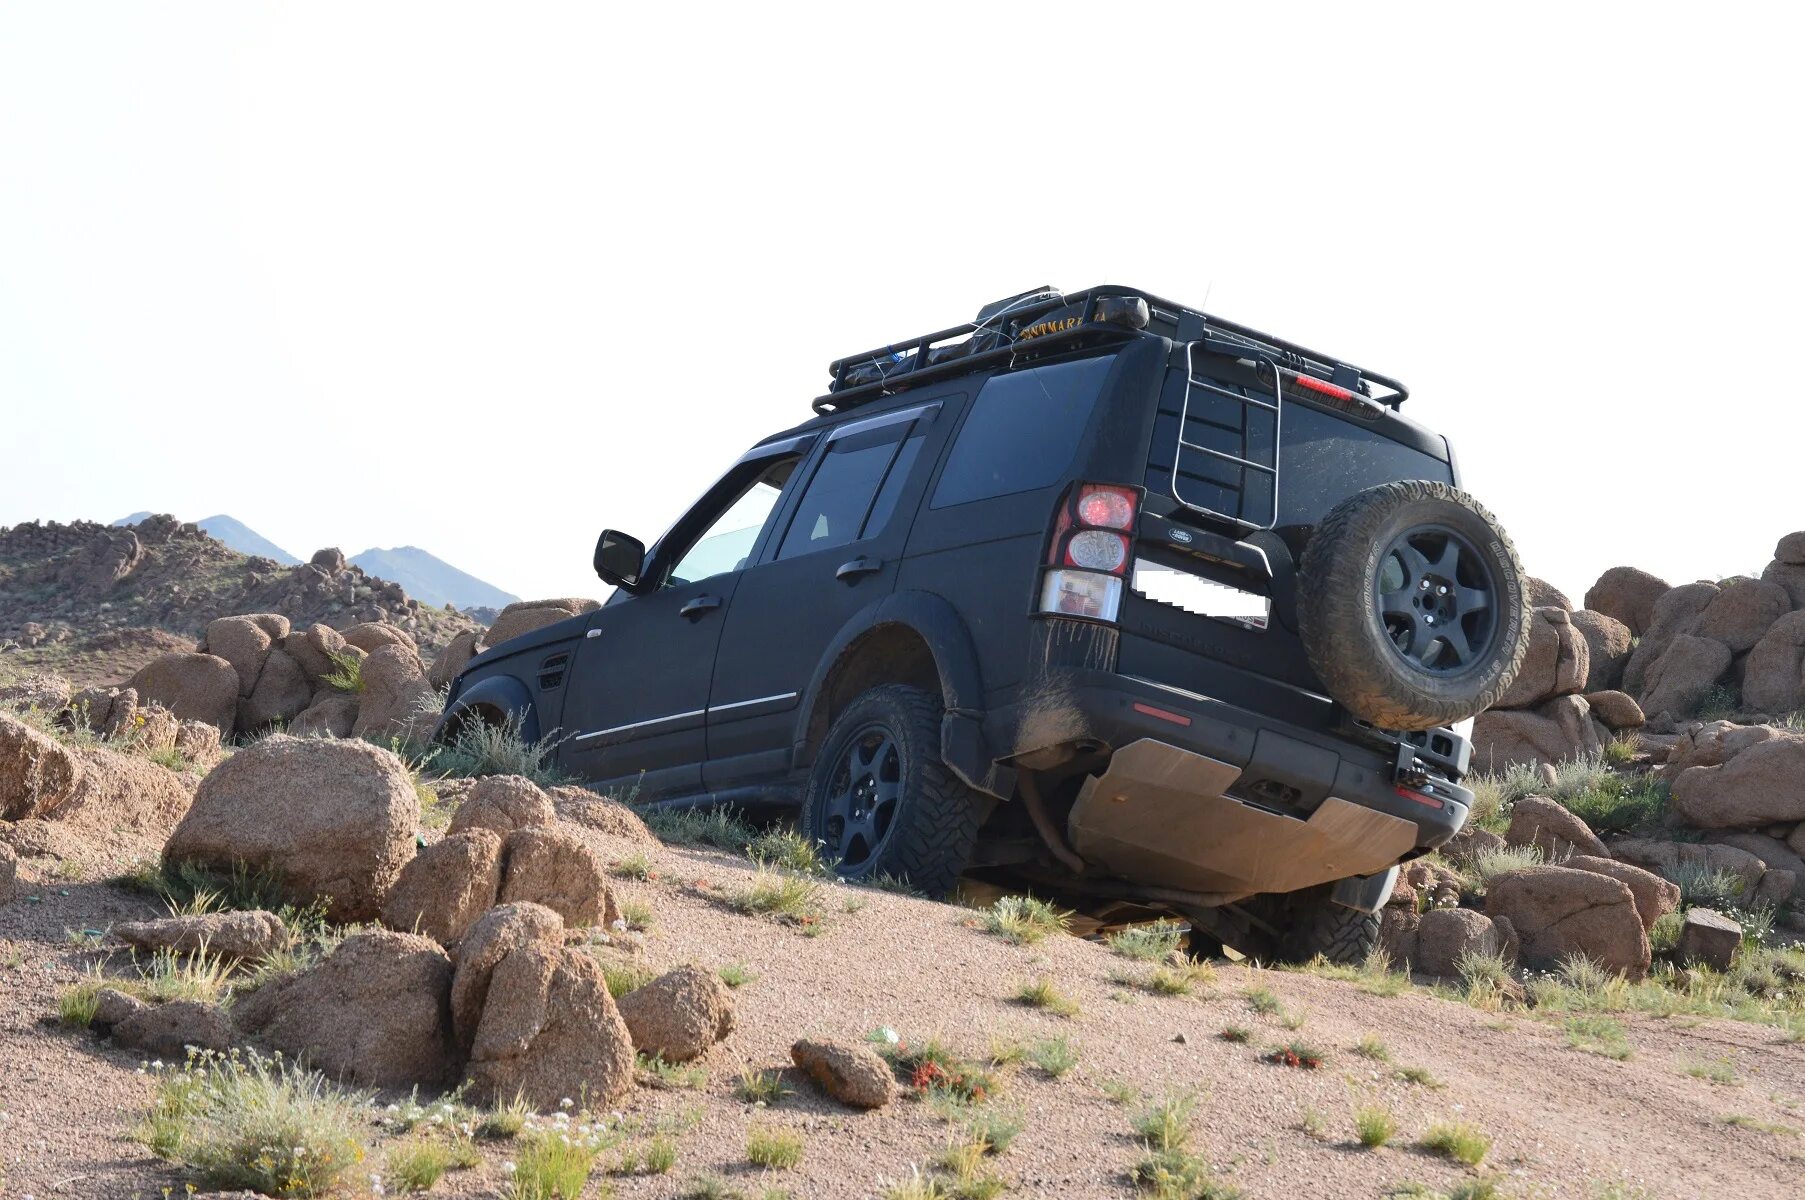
x: 773, y: 1146
x: 1043, y: 994
x: 1458, y: 1140
x: 1024, y: 920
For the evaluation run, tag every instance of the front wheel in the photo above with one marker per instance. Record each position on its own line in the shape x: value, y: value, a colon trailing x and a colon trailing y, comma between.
x: 881, y: 803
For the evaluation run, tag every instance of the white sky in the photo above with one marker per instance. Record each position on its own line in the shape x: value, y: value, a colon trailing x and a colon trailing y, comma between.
x: 484, y: 279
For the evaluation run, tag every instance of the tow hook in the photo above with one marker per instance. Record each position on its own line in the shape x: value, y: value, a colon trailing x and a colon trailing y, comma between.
x: 1407, y: 771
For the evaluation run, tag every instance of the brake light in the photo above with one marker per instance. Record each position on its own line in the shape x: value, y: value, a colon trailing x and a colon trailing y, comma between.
x: 1106, y: 507
x: 1091, y: 549
x: 1312, y: 384
x: 1333, y: 395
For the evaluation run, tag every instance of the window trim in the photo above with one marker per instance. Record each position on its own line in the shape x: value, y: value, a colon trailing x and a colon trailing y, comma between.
x: 662, y: 560
x: 904, y: 419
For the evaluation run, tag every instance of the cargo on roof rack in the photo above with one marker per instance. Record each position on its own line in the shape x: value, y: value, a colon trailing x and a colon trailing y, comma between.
x: 1043, y: 321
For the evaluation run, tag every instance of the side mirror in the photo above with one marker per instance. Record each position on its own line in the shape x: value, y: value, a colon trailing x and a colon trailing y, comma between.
x: 619, y: 557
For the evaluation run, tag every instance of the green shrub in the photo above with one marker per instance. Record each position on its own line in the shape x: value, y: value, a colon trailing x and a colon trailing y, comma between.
x: 551, y: 1166
x: 1024, y: 920
x: 347, y: 674
x: 1457, y: 1140
x: 773, y: 1146
x: 1156, y: 942
x: 1374, y: 1125
x: 477, y: 748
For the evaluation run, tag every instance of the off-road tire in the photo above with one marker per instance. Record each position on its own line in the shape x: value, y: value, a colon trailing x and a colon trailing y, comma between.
x: 1320, y: 926
x: 932, y: 834
x: 1343, y: 631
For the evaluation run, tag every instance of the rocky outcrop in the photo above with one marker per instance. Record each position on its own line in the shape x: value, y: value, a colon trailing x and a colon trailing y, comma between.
x: 679, y: 1015
x: 195, y: 687
x: 495, y: 935
x: 524, y: 616
x: 282, y: 692
x: 1616, y: 711
x: 452, y: 659
x: 167, y: 1030
x: 1709, y: 938
x: 332, y: 820
x: 1627, y: 595
x: 1672, y: 859
x: 38, y: 774
x: 1557, y: 662
x: 1559, y: 912
x: 1560, y: 729
x: 1679, y: 681
x: 396, y: 697
x: 1655, y: 897
x: 1609, y: 644
x: 1762, y: 784
x: 592, y: 811
x: 1773, y: 679
x: 1447, y: 935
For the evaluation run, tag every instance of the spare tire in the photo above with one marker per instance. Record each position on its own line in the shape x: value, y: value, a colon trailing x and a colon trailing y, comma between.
x: 1411, y: 605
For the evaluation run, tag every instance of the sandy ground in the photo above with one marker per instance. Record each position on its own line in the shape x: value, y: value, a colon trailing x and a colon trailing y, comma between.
x: 1564, y: 1122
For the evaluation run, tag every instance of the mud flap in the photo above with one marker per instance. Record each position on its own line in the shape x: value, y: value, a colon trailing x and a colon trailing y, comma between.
x: 1158, y: 817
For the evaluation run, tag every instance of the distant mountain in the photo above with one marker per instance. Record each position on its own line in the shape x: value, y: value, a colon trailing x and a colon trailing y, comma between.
x: 234, y: 533
x: 430, y: 579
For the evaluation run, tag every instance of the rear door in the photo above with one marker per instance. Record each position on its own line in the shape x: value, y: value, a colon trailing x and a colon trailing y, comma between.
x: 835, y: 553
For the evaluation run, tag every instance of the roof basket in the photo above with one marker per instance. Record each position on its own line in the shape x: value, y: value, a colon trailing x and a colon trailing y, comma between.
x: 1044, y: 319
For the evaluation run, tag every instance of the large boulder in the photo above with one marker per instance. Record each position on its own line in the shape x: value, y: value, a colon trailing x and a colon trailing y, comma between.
x: 1616, y: 711
x: 243, y: 642
x: 679, y: 1015
x: 396, y: 697
x: 550, y: 1031
x: 852, y: 1074
x: 1608, y: 647
x: 38, y: 774
x: 1558, y: 730
x: 1776, y: 854
x: 195, y: 687
x: 1714, y: 742
x: 553, y: 867
x: 314, y: 648
x: 1543, y: 594
x: 168, y: 1030
x: 495, y: 935
x: 1678, y: 682
x: 9, y: 872
x: 524, y: 616
x: 591, y: 810
x: 1549, y: 827
x: 332, y: 820
x: 281, y: 694
x: 503, y: 803
x: 45, y: 692
x: 1672, y: 859
x: 1628, y: 594
x: 1559, y: 912
x: 334, y: 715
x: 452, y: 659
x: 1773, y: 678
x: 1709, y: 938
x: 1673, y: 614
x: 1762, y: 785
x: 447, y: 886
x: 376, y: 1012
x: 235, y: 934
x: 1655, y: 897
x: 372, y: 636
x: 1741, y: 612
x: 1446, y: 935
x: 1556, y: 663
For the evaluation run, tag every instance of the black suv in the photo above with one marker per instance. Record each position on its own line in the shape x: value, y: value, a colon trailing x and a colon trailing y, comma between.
x: 1097, y: 594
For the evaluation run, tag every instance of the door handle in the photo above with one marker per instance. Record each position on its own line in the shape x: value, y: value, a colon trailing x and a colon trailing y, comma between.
x: 850, y: 571
x: 701, y: 604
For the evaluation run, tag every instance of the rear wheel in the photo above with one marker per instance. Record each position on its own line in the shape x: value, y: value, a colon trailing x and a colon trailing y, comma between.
x: 1320, y: 926
x: 881, y: 802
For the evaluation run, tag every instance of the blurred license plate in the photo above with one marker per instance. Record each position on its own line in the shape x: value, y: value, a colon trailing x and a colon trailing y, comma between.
x: 1205, y: 597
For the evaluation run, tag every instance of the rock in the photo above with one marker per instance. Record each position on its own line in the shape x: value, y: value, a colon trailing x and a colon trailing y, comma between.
x: 231, y: 935
x: 1543, y: 594
x: 503, y: 803
x: 1741, y: 612
x: 92, y: 572
x: 9, y: 873
x: 1709, y: 938
x: 1444, y: 935
x: 1618, y: 710
x: 1559, y: 912
x: 331, y: 560
x: 1789, y: 577
x: 854, y: 1075
x: 151, y: 730
x: 1681, y: 678
x: 112, y: 1006
x: 592, y: 811
x: 1655, y: 897
x: 396, y: 695
x: 38, y: 774
x: 496, y: 934
x: 1540, y: 822
x: 452, y: 659
x: 44, y: 692
x: 376, y: 1012
x: 119, y: 793
x: 1608, y: 647
x: 1556, y: 663
x: 244, y: 643
x: 314, y: 648
x: 1714, y: 742
x: 1560, y: 729
x: 1670, y: 859
x: 1673, y: 614
x: 549, y: 1030
x: 1398, y: 922
x: 524, y: 616
x: 282, y: 693
x: 447, y: 886
x: 1470, y: 842
x: 554, y: 868
x: 1628, y: 595
x: 1775, y: 889
x: 1774, y: 675
x: 1791, y: 549
x: 1761, y: 785
x: 332, y: 716
x: 372, y: 636
x: 1773, y: 852
x: 195, y: 687
x: 167, y: 1030
x: 331, y: 819
x: 679, y: 1015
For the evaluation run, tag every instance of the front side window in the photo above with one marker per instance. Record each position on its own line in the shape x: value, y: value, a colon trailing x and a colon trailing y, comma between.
x: 727, y: 542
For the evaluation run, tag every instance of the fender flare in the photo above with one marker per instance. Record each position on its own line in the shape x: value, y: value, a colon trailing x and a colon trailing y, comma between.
x: 955, y: 655
x: 503, y: 692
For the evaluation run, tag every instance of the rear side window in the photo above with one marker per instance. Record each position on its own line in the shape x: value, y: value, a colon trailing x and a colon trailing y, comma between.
x: 1022, y: 432
x: 852, y: 492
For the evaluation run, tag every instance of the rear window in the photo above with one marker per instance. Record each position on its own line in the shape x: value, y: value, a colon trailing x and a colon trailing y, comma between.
x: 1323, y: 460
x: 1022, y: 432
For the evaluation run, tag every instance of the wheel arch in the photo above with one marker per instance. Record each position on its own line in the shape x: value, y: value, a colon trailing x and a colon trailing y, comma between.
x: 492, y: 700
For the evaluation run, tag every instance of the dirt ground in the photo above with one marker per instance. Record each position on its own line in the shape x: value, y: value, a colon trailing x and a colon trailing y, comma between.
x: 1563, y: 1122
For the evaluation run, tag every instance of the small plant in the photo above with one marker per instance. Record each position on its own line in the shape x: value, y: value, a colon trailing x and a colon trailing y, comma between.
x: 669, y: 1074
x: 1621, y: 750
x: 416, y: 1165
x: 1490, y: 863
x: 504, y: 1121
x: 1043, y: 993
x: 786, y: 850
x: 1701, y: 887
x: 637, y: 914
x: 1374, y: 1125
x: 1165, y: 1124
x: 1371, y: 1047
x: 1119, y: 1092
x: 551, y: 1166
x: 1742, y: 1121
x: 1294, y: 1019
x: 1263, y: 1000
x: 773, y: 893
x: 1598, y: 1035
x: 1240, y: 1035
x: 1024, y: 920
x: 1156, y: 942
x: 347, y: 674
x: 1178, y: 1175
x: 1295, y: 1054
x: 917, y: 1187
x: 1483, y: 1188
x: 1177, y: 979
x: 736, y: 975
x: 994, y: 1128
x: 773, y: 1146
x: 634, y: 866
x: 625, y: 977
x: 1312, y: 1122
x: 759, y: 1087
x: 971, y: 1177
x: 1420, y: 1076
x: 932, y: 1070
x: 479, y: 748
x: 76, y: 1006
x: 720, y: 828
x: 1720, y: 1071
x: 1056, y: 1056
x: 1457, y: 1140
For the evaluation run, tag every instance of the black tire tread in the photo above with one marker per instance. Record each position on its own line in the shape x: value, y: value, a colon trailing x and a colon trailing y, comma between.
x: 1330, y: 604
x: 1344, y: 936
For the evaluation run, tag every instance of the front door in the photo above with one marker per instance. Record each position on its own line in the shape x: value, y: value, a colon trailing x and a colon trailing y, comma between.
x: 836, y: 554
x: 639, y: 688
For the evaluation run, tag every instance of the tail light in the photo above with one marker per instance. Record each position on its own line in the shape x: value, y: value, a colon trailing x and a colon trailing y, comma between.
x: 1090, y: 553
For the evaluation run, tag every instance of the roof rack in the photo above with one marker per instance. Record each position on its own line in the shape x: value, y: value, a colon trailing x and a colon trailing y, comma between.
x: 1044, y: 320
